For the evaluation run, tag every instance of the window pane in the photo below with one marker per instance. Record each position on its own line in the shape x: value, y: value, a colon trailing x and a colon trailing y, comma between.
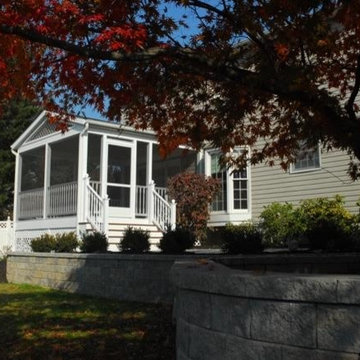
x: 240, y: 194
x: 219, y: 172
x: 307, y: 158
x: 119, y: 165
x: 119, y: 196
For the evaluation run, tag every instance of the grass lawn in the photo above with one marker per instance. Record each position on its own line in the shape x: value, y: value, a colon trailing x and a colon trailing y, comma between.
x: 38, y: 323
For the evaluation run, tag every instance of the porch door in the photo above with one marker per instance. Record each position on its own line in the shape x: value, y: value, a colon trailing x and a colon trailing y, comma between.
x: 121, y: 178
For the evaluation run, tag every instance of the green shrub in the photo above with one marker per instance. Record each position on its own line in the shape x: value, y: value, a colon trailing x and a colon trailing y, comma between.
x: 328, y: 224
x: 242, y: 239
x: 213, y: 239
x: 279, y: 224
x: 177, y: 241
x: 135, y: 241
x: 66, y: 242
x: 43, y: 243
x: 94, y: 243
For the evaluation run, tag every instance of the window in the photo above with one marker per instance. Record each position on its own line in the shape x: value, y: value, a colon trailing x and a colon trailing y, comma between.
x: 306, y: 159
x: 240, y: 185
x: 219, y: 172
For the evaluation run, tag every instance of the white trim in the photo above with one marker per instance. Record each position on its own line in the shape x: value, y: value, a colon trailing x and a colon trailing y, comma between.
x: 28, y: 131
x: 46, y: 224
x: 103, y: 165
x: 126, y: 212
x: 220, y: 218
x: 53, y: 138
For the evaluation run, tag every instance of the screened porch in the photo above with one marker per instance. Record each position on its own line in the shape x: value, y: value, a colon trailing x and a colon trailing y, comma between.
x: 95, y: 176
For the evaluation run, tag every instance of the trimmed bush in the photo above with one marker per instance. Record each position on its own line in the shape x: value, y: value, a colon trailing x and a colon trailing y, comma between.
x: 177, y: 241
x: 280, y: 224
x: 60, y: 243
x: 66, y: 242
x: 43, y: 243
x: 242, y: 239
x: 328, y: 224
x: 94, y: 243
x: 135, y: 241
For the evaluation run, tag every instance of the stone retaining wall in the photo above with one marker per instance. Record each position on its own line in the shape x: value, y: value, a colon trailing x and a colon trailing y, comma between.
x: 225, y: 314
x: 142, y: 278
x: 331, y: 263
x: 2, y: 271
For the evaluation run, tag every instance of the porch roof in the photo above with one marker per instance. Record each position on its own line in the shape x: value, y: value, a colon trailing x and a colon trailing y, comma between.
x: 92, y: 123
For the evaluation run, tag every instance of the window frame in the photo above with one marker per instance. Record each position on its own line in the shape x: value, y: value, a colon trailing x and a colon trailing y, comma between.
x: 230, y: 208
x: 317, y: 148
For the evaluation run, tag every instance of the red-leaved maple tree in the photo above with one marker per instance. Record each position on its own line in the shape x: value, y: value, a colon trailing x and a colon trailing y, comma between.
x: 279, y: 70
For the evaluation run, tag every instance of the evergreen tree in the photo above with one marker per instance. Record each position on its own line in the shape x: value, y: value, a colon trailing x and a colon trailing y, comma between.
x: 14, y: 120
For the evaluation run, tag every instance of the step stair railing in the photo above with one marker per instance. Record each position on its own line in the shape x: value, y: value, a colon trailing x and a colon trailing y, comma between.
x: 161, y: 213
x: 96, y: 208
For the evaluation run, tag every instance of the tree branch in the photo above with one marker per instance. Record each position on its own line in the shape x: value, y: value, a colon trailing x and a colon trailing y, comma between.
x: 350, y: 104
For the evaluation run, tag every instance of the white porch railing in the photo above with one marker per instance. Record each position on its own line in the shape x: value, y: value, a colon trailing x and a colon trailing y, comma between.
x: 96, y: 185
x: 7, y: 237
x: 96, y: 208
x: 163, y: 192
x: 31, y: 204
x: 62, y: 199
x: 141, y: 201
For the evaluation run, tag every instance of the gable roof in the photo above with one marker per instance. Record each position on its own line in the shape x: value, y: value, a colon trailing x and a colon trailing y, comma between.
x: 40, y: 128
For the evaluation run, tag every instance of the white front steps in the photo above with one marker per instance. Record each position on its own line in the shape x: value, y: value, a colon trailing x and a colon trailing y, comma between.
x: 116, y: 233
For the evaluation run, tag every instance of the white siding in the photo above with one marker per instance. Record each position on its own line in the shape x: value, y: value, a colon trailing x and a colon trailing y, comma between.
x: 271, y: 184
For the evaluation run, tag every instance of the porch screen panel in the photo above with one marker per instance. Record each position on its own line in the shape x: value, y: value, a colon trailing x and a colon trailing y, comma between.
x: 64, y: 161
x: 178, y: 161
x: 32, y: 169
x: 94, y: 154
x: 119, y: 175
x: 141, y: 163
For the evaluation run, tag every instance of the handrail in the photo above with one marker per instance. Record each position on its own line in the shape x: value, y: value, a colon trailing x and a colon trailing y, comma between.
x: 95, y: 208
x: 162, y: 213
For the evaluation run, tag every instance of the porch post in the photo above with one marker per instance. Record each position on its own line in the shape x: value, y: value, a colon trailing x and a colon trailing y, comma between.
x: 150, y: 198
x: 17, y: 185
x: 103, y: 168
x: 133, y: 166
x: 173, y: 214
x: 149, y: 160
x: 47, y: 170
x: 106, y: 215
x: 82, y: 172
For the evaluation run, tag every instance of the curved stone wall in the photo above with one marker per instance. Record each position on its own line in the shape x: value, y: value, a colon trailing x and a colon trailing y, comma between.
x: 225, y: 314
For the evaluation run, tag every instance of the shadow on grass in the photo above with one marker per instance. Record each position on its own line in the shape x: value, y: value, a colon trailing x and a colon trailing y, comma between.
x: 37, y: 323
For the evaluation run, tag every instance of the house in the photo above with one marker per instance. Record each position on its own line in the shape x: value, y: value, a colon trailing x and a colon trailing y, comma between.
x: 100, y: 176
